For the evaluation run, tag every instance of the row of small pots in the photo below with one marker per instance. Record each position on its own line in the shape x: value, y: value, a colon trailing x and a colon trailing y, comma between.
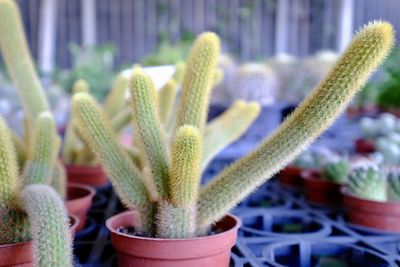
x: 383, y: 216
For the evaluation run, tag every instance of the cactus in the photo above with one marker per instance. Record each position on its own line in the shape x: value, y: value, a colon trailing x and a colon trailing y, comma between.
x: 166, y: 100
x: 49, y: 226
x: 368, y: 183
x: 115, y: 100
x: 173, y: 204
x: 337, y: 172
x: 227, y: 128
x: 14, y: 48
x: 393, y: 186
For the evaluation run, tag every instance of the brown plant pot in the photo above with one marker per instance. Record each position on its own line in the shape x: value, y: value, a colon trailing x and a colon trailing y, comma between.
x: 88, y: 175
x: 364, y: 146
x: 379, y: 215
x: 319, y: 191
x: 213, y: 250
x: 21, y: 254
x: 291, y: 176
x: 79, y: 200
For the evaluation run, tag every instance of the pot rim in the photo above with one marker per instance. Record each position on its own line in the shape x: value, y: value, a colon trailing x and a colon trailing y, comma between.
x: 91, y: 191
x: 314, y: 175
x: 113, y: 230
x: 345, y: 192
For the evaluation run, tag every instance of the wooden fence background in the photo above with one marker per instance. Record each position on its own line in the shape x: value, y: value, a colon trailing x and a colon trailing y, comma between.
x: 248, y: 27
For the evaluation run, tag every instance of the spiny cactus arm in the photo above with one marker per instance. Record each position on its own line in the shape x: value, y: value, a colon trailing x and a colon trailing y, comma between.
x: 80, y: 86
x: 96, y: 132
x: 147, y: 124
x: 227, y: 128
x: 59, y: 181
x: 177, y: 217
x: 42, y: 152
x: 318, y: 111
x: 393, y: 186
x: 9, y: 185
x: 115, y: 100
x: 18, y: 60
x: 179, y: 72
x: 134, y: 155
x: 166, y: 99
x: 20, y: 150
x: 121, y: 120
x: 49, y: 225
x: 197, y: 81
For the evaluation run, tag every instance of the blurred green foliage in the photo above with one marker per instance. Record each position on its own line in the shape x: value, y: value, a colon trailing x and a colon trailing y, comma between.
x: 94, y: 64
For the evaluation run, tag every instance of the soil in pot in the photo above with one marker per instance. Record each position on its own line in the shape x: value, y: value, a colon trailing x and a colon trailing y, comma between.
x: 212, y: 250
x: 79, y: 201
x: 379, y: 215
x: 21, y: 254
x: 291, y: 176
x: 88, y: 175
x: 320, y: 191
x: 364, y: 146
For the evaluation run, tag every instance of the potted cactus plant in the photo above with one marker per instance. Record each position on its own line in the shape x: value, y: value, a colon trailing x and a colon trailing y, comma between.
x: 174, y: 223
x: 33, y: 220
x: 372, y: 198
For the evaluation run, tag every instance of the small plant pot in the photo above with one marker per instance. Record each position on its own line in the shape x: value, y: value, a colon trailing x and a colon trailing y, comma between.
x: 213, y: 250
x: 379, y: 215
x: 364, y: 146
x: 21, y: 254
x: 88, y: 175
x: 319, y: 191
x: 79, y: 201
x: 291, y: 176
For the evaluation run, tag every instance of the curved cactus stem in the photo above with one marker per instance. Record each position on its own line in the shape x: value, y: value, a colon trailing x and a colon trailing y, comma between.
x: 43, y: 151
x: 227, y: 128
x: 59, y: 181
x: 121, y: 120
x: 197, y: 81
x: 49, y: 226
x: 18, y: 60
x: 147, y: 124
x: 116, y: 100
x: 125, y: 177
x: 20, y: 150
x: 80, y: 86
x: 179, y: 72
x: 166, y: 100
x: 317, y: 112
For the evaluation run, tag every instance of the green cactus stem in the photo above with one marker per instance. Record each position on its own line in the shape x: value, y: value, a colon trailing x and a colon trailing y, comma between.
x: 197, y: 81
x: 393, y: 186
x: 147, y: 124
x: 368, y: 183
x: 125, y: 177
x: 317, y: 112
x: 166, y: 100
x: 18, y: 60
x: 179, y: 72
x: 49, y: 226
x: 116, y: 100
x: 59, y: 181
x: 337, y: 172
x: 177, y: 218
x: 121, y: 120
x: 227, y: 128
x: 43, y: 151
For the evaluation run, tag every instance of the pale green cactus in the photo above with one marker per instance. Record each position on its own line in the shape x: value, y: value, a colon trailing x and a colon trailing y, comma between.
x: 337, y: 172
x: 368, y: 183
x: 166, y: 100
x: 146, y: 187
x: 116, y: 100
x: 393, y: 186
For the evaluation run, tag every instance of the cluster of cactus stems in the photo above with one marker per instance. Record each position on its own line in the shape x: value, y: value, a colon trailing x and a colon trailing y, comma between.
x: 375, y: 184
x: 30, y: 209
x: 165, y: 189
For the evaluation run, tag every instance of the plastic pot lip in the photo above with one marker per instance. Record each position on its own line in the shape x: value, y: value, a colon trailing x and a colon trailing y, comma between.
x: 113, y: 230
x: 352, y: 197
x: 23, y: 243
x: 75, y: 222
x: 84, y: 168
x: 314, y: 176
x: 90, y: 192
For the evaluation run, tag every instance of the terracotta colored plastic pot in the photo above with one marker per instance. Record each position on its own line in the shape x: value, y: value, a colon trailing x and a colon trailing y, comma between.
x: 213, y: 250
x: 364, y: 146
x: 93, y: 176
x: 21, y: 254
x: 79, y: 201
x: 384, y: 216
x: 320, y: 191
x: 291, y: 176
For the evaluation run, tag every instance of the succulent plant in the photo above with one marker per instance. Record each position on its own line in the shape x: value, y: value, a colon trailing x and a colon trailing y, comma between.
x: 337, y: 171
x: 154, y: 190
x: 29, y: 208
x: 368, y: 183
x: 393, y: 186
x: 315, y: 158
